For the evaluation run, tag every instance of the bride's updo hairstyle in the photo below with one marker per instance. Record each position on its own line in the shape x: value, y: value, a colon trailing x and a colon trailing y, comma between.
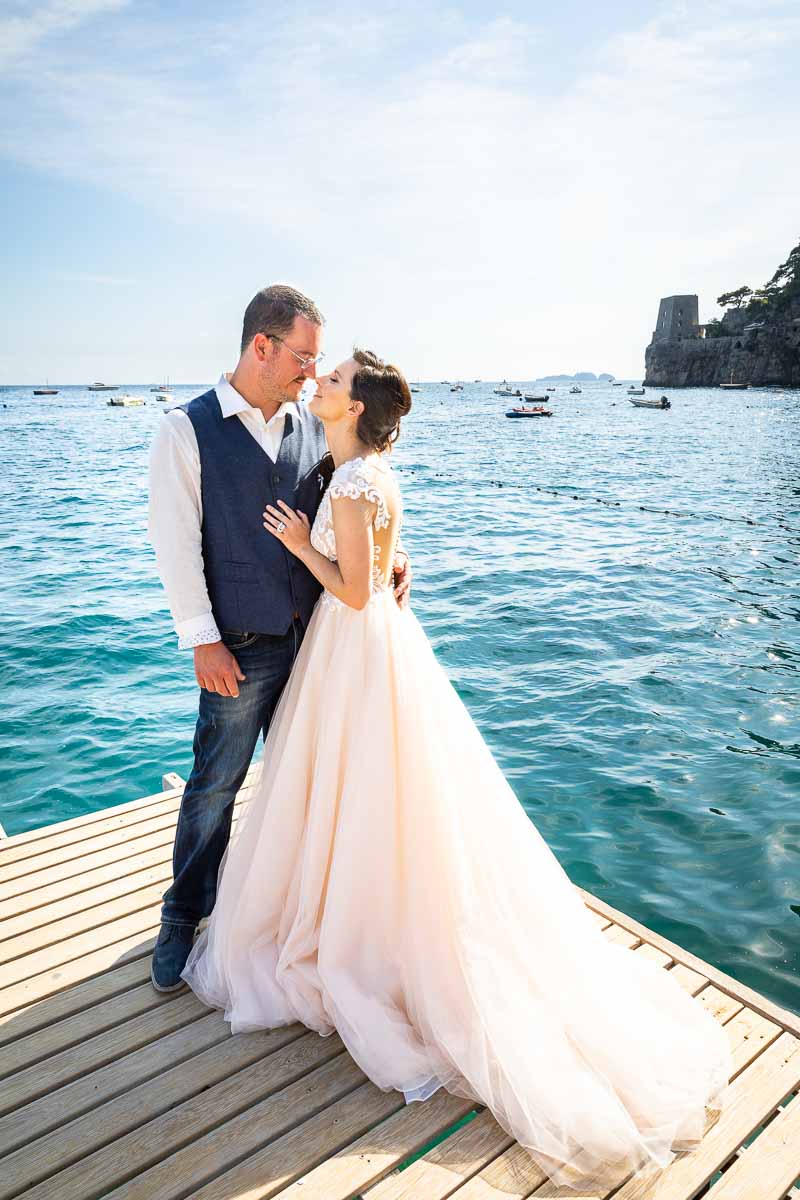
x: 383, y: 391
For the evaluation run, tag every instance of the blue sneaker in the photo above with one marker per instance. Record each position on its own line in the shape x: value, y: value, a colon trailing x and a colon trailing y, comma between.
x: 169, y: 956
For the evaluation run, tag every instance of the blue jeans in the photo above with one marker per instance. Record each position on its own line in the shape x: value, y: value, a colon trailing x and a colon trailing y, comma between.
x: 225, y: 737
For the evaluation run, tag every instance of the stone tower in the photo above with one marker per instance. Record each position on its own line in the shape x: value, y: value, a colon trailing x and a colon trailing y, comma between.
x: 677, y: 318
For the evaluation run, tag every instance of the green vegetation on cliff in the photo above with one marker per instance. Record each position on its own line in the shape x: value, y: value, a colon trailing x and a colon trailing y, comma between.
x: 765, y: 303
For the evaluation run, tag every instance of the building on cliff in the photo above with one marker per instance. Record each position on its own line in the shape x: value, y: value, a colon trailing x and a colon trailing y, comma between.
x: 684, y: 353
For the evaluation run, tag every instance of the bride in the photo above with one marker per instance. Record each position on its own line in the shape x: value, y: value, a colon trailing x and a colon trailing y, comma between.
x: 384, y: 881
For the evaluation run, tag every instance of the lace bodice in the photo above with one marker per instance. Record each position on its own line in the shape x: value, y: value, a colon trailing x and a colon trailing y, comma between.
x: 357, y: 477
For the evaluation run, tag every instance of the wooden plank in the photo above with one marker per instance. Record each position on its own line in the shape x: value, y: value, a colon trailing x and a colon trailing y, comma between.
x: 376, y: 1152
x: 449, y: 1164
x: 753, y: 1096
x: 296, y: 1127
x: 769, y: 1166
x: 75, y: 948
x: 33, y: 928
x: 621, y: 937
x: 119, y: 1073
x: 726, y: 983
x: 76, y: 889
x: 117, y: 842
x: 55, y: 828
x: 172, y: 780
x: 512, y: 1176
x: 47, y: 943
x: 93, y: 993
x: 57, y: 1036
x: 137, y: 943
x: 42, y: 1078
x: 60, y: 847
x: 132, y: 1132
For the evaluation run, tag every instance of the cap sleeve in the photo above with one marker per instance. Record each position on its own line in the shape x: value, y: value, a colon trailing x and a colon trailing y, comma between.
x: 355, y: 479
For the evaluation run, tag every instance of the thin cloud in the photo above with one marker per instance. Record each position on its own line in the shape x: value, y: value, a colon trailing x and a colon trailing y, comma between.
x: 446, y: 178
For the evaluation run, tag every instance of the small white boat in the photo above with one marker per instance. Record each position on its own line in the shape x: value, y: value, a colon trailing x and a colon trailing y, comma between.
x: 736, y: 387
x: 125, y: 400
x: 662, y: 403
x: 103, y: 387
x: 457, y: 387
x: 535, y: 399
x: 575, y: 391
x: 632, y: 391
x: 165, y: 396
x: 505, y: 390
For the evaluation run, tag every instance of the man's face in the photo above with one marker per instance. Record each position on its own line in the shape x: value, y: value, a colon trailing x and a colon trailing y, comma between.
x: 283, y: 375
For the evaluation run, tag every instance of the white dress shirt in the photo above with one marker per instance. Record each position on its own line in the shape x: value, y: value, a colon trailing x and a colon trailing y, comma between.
x: 175, y: 512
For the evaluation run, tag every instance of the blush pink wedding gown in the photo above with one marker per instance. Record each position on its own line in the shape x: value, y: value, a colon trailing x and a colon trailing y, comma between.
x: 384, y: 882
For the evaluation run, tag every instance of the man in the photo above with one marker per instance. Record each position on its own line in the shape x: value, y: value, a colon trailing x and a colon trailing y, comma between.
x: 236, y: 596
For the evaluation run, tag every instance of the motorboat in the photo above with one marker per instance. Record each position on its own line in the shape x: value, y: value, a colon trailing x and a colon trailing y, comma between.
x: 457, y: 387
x: 535, y: 399
x: 615, y: 384
x: 165, y: 396
x: 45, y: 391
x: 523, y: 411
x: 125, y: 400
x: 575, y: 391
x: 632, y: 391
x: 662, y: 403
x: 103, y: 387
x: 551, y: 389
x: 505, y: 390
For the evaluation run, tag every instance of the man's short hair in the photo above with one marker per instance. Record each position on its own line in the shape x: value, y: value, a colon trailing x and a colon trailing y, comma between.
x: 273, y: 310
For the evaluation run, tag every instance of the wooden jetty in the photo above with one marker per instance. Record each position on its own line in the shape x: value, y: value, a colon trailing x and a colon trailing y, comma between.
x: 111, y: 1089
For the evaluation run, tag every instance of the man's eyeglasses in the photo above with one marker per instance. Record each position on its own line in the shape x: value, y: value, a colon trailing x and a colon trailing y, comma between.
x: 305, y: 361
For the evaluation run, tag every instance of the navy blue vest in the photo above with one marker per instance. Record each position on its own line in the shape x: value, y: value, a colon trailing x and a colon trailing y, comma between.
x: 254, y: 583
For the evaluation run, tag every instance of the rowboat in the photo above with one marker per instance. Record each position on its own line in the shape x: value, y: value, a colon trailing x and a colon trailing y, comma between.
x: 528, y: 396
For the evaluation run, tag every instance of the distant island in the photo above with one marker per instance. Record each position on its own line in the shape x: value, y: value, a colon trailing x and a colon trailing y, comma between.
x: 757, y: 341
x: 580, y: 377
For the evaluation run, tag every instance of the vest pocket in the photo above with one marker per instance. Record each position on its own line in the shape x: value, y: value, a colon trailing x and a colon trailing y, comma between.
x: 238, y: 572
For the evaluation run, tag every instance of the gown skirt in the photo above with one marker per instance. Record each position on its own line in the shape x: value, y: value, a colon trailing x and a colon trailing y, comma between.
x: 384, y: 882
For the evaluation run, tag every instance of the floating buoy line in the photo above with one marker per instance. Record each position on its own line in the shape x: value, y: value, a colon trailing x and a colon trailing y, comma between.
x: 667, y: 512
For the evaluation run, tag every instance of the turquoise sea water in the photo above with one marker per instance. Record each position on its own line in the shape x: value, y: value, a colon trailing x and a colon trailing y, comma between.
x: 615, y: 593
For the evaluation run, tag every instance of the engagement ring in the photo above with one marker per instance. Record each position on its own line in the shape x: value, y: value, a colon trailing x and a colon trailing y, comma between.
x: 280, y: 526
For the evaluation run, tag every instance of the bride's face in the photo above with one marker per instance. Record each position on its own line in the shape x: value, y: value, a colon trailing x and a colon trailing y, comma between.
x: 332, y: 401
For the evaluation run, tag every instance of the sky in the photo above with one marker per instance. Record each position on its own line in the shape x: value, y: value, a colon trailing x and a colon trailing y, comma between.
x: 483, y: 191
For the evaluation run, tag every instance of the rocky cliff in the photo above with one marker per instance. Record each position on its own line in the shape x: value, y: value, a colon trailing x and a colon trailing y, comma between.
x: 755, y: 352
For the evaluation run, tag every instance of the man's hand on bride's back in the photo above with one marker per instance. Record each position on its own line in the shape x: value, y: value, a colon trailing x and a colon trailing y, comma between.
x: 216, y: 669
x: 402, y: 578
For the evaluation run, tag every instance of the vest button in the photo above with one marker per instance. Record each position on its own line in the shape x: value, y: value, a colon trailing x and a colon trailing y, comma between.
x: 276, y: 478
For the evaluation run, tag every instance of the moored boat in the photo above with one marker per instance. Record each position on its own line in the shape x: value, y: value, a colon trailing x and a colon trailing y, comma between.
x: 103, y: 387
x: 575, y: 390
x: 529, y: 396
x: 124, y: 400
x: 662, y: 403
x: 529, y: 412
x: 632, y: 391
x: 45, y: 391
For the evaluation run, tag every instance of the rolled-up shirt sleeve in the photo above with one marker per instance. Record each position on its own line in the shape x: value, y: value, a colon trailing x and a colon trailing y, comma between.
x: 175, y: 518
